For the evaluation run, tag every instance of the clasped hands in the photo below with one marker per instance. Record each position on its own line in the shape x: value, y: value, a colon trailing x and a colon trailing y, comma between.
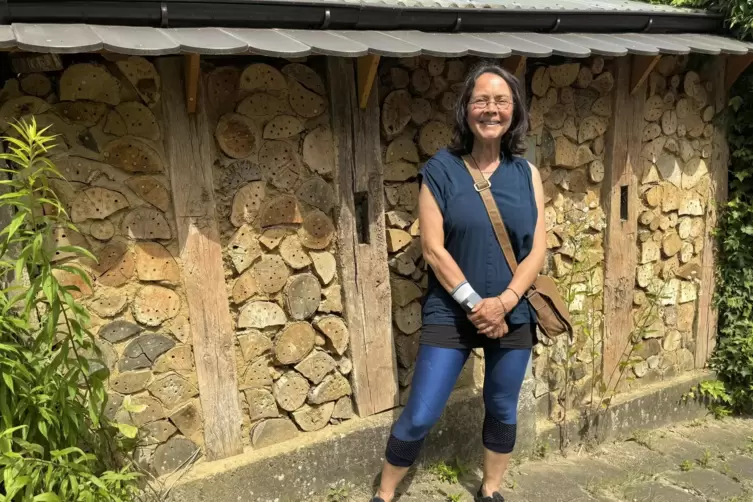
x: 488, y: 316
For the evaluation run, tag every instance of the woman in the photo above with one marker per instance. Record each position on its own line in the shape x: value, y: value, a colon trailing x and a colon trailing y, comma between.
x: 472, y: 298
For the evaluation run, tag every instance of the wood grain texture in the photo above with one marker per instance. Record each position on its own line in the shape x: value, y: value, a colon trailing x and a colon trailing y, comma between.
x: 622, y: 152
x: 516, y: 65
x: 706, y: 327
x: 734, y: 67
x: 363, y: 265
x: 188, y: 146
x: 193, y: 69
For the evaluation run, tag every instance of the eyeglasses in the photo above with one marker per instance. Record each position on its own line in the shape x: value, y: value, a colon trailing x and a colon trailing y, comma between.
x: 483, y: 103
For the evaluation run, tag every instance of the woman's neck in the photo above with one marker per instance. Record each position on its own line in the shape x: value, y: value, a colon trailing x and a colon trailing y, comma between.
x: 486, y: 154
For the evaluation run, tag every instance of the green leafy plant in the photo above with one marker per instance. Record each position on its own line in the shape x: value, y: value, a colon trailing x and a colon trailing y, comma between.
x: 686, y: 466
x: 448, y: 473
x: 55, y: 442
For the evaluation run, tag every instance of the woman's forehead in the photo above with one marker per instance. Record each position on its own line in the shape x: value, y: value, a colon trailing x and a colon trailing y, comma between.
x: 489, y: 83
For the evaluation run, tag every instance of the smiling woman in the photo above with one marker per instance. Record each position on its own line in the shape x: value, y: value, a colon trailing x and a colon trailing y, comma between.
x: 473, y: 299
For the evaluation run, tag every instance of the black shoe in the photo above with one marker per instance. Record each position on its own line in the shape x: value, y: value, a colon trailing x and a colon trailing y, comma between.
x: 377, y: 499
x: 496, y: 497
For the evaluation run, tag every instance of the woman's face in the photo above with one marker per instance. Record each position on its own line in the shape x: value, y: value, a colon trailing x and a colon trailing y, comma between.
x: 490, y: 108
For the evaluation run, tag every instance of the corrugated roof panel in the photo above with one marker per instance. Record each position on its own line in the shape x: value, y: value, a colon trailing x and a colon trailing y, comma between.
x: 519, y: 46
x: 663, y: 45
x: 633, y: 47
x: 135, y: 40
x: 727, y: 45
x: 434, y: 44
x: 597, y: 45
x: 559, y: 46
x: 270, y: 43
x: 7, y: 37
x: 59, y: 38
x: 328, y: 43
x: 206, y: 40
x: 382, y: 43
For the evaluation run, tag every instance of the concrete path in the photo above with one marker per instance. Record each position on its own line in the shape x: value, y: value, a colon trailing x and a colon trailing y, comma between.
x: 694, y: 462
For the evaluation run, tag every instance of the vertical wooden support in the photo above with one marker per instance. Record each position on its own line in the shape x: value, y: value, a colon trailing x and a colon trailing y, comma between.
x: 622, y: 162
x: 706, y: 327
x: 192, y: 80
x: 366, y: 75
x: 188, y: 146
x: 515, y: 65
x: 361, y: 240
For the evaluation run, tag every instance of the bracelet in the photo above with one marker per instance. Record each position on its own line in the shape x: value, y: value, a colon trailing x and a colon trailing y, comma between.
x: 504, y: 309
x: 513, y: 292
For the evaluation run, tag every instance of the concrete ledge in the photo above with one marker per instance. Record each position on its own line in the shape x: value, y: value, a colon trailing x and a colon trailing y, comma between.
x: 654, y: 406
x: 354, y: 450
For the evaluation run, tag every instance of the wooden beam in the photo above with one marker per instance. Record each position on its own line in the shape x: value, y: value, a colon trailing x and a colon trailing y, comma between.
x: 642, y: 67
x: 706, y: 326
x: 515, y: 65
x: 188, y: 148
x: 367, y: 70
x: 365, y: 281
x: 621, y: 161
x: 193, y: 69
x: 735, y: 67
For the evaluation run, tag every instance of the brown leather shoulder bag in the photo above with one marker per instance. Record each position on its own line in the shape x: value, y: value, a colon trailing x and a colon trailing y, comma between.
x: 551, y: 310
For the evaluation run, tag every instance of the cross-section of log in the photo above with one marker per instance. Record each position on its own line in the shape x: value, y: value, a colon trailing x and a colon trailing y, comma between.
x: 305, y: 76
x: 261, y: 106
x: 396, y: 112
x: 293, y: 253
x: 18, y: 107
x: 155, y: 263
x: 145, y: 223
x: 243, y: 248
x: 262, y: 77
x: 114, y: 124
x: 143, y: 77
x: 282, y: 210
x: 97, y: 203
x: 305, y: 103
x: 261, y: 315
x: 62, y: 237
x: 115, y: 265
x: 244, y: 287
x: 154, y: 305
x: 85, y: 113
x: 237, y: 135
x: 89, y: 82
x: 133, y: 155
x: 139, y: 120
x: 317, y: 230
x: 247, y: 202
x: 319, y: 150
x: 318, y: 193
x: 271, y: 273
x: 302, y: 296
x: 434, y: 136
x: 294, y: 343
x: 282, y: 127
x: 151, y: 190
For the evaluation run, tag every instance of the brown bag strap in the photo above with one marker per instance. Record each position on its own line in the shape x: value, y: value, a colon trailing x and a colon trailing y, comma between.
x: 483, y: 186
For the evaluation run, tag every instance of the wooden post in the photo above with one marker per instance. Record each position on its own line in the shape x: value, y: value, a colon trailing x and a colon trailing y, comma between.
x: 642, y: 67
x: 706, y: 328
x: 734, y: 67
x: 621, y: 161
x: 193, y: 70
x: 516, y: 65
x: 188, y: 146
x: 361, y: 240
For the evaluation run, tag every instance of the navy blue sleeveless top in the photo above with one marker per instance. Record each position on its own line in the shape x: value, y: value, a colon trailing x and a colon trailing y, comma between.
x: 469, y: 235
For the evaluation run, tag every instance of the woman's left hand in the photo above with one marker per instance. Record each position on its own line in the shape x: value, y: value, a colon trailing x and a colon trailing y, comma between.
x: 490, y: 313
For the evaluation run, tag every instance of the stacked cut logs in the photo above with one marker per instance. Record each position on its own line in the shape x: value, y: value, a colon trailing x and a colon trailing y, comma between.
x: 570, y: 112
x: 674, y: 187
x: 109, y: 151
x: 418, y: 97
x: 276, y: 200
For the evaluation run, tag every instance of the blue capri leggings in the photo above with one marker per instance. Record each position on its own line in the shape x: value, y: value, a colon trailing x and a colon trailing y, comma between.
x: 436, y: 371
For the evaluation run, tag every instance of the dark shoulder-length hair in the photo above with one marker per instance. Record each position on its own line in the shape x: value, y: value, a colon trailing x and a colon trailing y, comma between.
x: 513, y: 142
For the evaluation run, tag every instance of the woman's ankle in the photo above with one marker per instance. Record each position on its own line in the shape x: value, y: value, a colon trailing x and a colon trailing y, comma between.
x: 385, y: 495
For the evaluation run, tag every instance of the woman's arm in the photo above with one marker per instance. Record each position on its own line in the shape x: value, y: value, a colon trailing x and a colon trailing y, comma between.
x: 430, y: 223
x: 530, y: 267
